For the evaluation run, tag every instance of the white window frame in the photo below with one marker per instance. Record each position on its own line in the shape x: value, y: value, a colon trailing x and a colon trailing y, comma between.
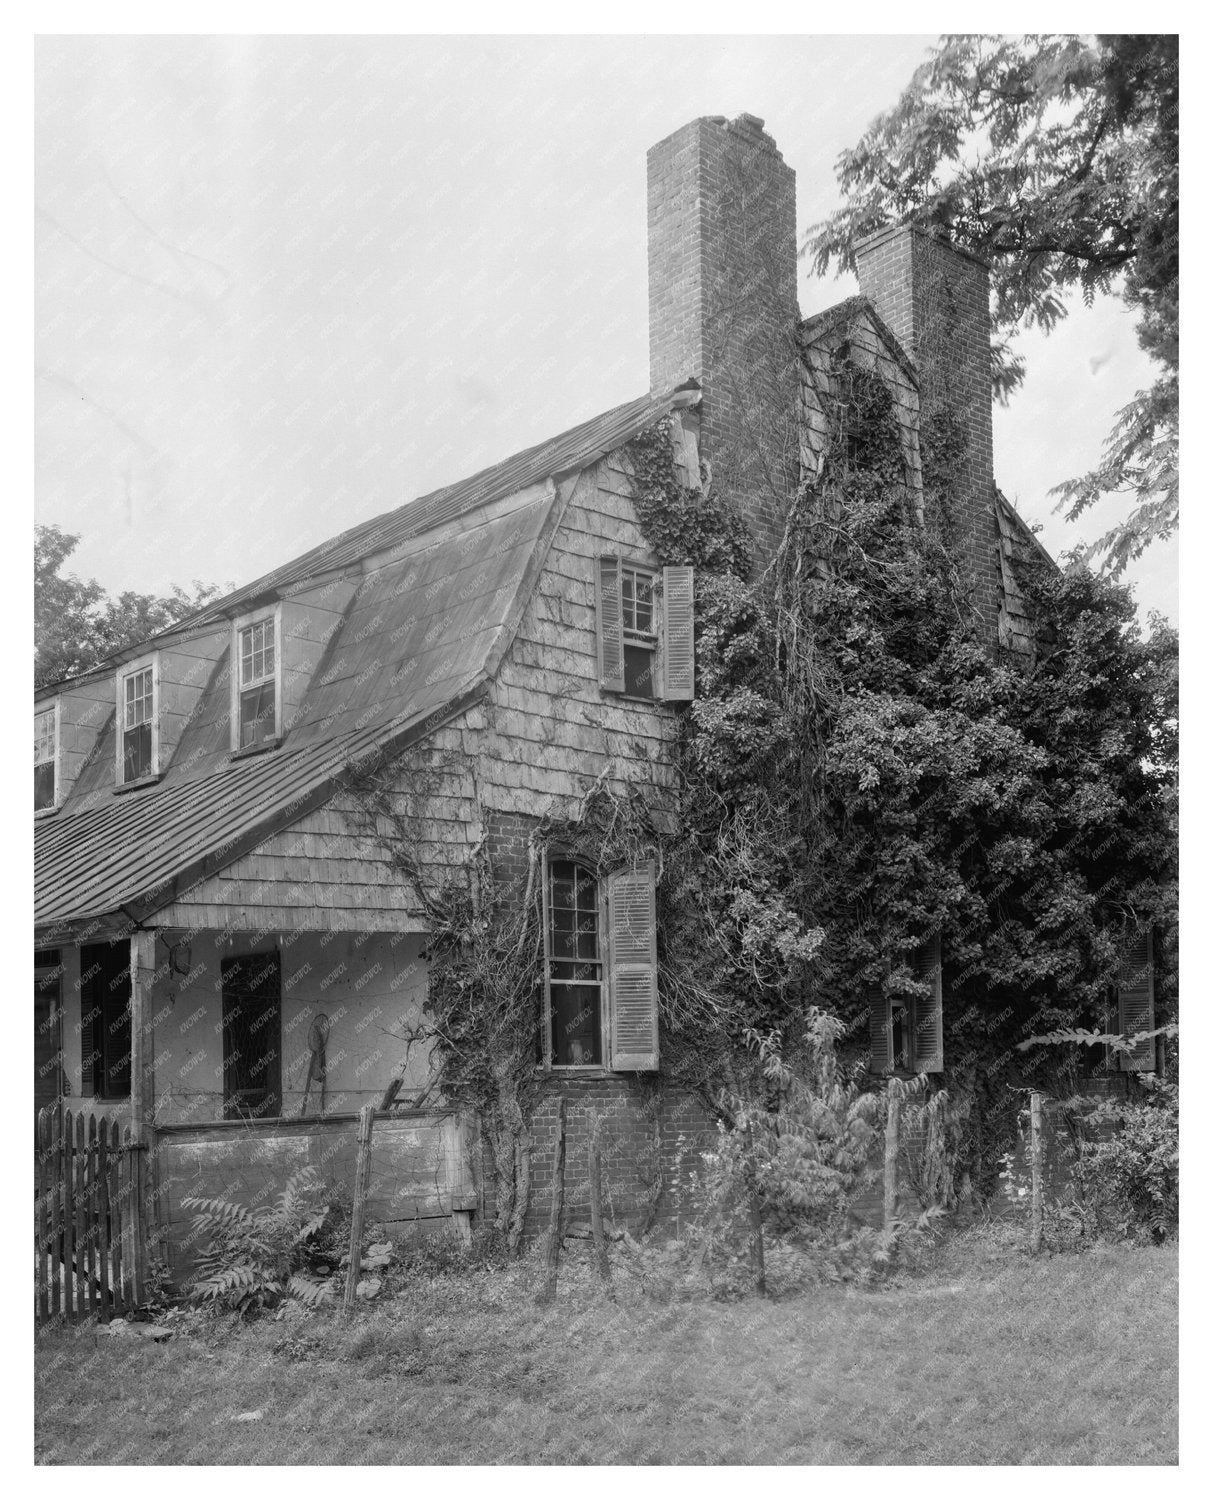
x: 641, y: 639
x: 270, y: 612
x: 55, y: 759
x: 132, y: 669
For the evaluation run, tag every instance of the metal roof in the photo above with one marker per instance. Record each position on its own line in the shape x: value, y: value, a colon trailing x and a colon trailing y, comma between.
x: 441, y: 588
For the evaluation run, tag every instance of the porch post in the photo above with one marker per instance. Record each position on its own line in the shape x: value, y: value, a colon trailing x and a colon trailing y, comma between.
x: 143, y: 1097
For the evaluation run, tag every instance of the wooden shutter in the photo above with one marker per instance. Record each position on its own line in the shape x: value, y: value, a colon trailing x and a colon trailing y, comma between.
x: 880, y: 1032
x: 632, y: 907
x: 928, y: 1013
x: 610, y: 625
x: 678, y: 594
x: 1135, y: 1002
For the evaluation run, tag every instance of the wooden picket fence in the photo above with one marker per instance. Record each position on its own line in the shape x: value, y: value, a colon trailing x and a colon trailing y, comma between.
x: 89, y: 1222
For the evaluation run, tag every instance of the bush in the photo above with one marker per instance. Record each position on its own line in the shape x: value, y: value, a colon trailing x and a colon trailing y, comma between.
x: 253, y: 1258
x: 1131, y: 1182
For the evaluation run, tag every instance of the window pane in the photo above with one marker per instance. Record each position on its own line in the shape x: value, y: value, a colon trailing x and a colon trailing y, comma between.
x: 257, y: 715
x: 256, y: 653
x: 44, y: 785
x: 137, y: 752
x: 44, y: 736
x: 639, y: 670
x: 138, y: 698
x: 575, y: 1024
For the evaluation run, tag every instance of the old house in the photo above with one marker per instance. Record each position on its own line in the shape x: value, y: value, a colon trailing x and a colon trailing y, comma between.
x: 226, y: 951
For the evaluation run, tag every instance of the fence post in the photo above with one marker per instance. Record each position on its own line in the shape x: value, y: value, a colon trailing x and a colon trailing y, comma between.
x: 600, y: 1245
x: 891, y: 1144
x: 552, y: 1257
x: 41, y: 1226
x: 1037, y: 1176
x: 362, y: 1183
x: 758, y: 1259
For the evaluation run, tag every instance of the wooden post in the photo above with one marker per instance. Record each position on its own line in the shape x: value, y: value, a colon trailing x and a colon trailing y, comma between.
x: 91, y: 1214
x: 118, y: 1212
x: 891, y: 1144
x: 757, y: 1250
x: 600, y: 1245
x: 104, y: 1237
x: 143, y: 1102
x: 66, y: 1165
x: 1037, y: 1173
x: 362, y: 1183
x: 83, y: 1284
x: 41, y: 1228
x: 55, y: 1159
x: 553, y: 1246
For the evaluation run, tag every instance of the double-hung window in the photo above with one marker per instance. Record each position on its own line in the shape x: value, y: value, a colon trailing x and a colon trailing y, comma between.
x: 600, y: 985
x: 257, y: 697
x: 44, y: 758
x: 646, y: 629
x: 137, y: 724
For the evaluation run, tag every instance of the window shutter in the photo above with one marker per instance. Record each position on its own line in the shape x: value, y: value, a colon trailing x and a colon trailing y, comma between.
x: 928, y: 1013
x: 610, y: 625
x: 678, y: 592
x: 880, y: 1032
x: 632, y: 902
x: 1135, y: 1002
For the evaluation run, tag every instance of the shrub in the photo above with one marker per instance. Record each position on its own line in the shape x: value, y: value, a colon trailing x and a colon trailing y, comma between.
x: 1131, y: 1182
x: 253, y: 1258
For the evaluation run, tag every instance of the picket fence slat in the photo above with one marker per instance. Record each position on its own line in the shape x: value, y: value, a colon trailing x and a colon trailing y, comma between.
x: 103, y: 1210
x: 55, y: 1154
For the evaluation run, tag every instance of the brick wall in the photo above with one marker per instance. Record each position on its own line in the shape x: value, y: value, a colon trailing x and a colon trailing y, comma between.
x: 722, y: 305
x: 639, y: 1147
x: 936, y: 299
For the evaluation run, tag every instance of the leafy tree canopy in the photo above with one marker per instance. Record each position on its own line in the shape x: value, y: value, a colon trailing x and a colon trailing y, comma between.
x: 77, y: 624
x: 1056, y: 160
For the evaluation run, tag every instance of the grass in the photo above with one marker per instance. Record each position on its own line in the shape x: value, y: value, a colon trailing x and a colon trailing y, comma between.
x: 989, y: 1358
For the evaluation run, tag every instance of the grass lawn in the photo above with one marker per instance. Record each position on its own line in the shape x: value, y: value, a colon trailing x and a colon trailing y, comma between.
x: 989, y: 1358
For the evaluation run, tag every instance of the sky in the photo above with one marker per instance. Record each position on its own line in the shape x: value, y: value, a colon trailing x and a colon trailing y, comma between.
x: 284, y: 284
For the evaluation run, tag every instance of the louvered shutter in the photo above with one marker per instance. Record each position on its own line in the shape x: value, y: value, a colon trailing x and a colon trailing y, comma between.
x: 678, y: 593
x: 1135, y: 1002
x: 928, y: 1013
x: 610, y: 625
x: 880, y: 1032
x: 632, y: 904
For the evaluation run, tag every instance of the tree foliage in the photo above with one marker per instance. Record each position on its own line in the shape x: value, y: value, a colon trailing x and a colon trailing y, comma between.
x: 77, y: 624
x: 1056, y: 160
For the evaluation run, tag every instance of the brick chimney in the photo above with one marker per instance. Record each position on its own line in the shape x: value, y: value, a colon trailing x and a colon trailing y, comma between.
x: 722, y: 306
x: 936, y: 300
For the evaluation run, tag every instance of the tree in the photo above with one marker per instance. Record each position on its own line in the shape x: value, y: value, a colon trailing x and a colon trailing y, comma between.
x: 1056, y: 160
x: 77, y: 625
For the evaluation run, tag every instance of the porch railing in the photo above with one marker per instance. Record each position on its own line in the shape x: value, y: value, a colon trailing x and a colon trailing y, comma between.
x: 89, y: 1219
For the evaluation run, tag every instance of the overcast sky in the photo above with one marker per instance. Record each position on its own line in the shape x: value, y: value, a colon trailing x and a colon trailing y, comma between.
x: 285, y: 284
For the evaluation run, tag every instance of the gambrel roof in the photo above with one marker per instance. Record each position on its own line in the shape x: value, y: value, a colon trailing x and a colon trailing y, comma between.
x: 429, y: 597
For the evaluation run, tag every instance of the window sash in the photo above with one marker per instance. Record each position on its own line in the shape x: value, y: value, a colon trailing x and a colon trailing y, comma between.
x: 574, y: 991
x: 44, y: 736
x: 638, y: 605
x: 257, y: 653
x: 138, y: 690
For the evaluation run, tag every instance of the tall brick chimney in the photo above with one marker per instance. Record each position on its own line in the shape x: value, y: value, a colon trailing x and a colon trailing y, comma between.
x: 936, y: 299
x: 722, y: 306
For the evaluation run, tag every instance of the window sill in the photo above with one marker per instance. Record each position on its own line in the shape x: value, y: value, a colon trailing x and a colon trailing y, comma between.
x: 577, y: 1070
x: 263, y: 747
x: 45, y: 812
x: 142, y: 781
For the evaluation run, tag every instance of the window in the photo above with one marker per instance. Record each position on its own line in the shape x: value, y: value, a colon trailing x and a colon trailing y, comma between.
x: 646, y: 630
x: 252, y: 1037
x: 600, y: 992
x: 257, y: 716
x: 137, y: 721
x: 907, y: 1030
x: 105, y: 1021
x: 44, y: 758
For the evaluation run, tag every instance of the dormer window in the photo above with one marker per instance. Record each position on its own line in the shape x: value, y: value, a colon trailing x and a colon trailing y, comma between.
x: 137, y: 724
x: 257, y: 657
x: 44, y: 758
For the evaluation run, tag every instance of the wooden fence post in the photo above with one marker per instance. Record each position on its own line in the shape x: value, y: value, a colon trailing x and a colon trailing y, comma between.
x: 891, y: 1144
x: 600, y: 1244
x: 1037, y: 1176
x: 553, y: 1245
x: 362, y: 1183
x: 42, y: 1227
x: 758, y: 1260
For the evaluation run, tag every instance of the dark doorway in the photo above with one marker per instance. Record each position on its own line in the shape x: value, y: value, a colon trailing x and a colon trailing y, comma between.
x: 252, y: 1037
x: 48, y: 1029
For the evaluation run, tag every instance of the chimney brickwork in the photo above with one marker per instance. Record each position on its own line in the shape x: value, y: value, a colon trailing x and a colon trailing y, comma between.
x: 936, y: 300
x: 722, y: 306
